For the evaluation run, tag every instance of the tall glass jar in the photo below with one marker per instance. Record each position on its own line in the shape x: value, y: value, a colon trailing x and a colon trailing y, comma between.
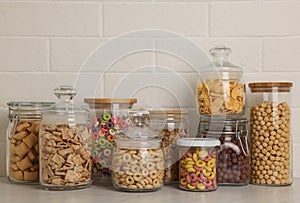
x: 110, y: 118
x: 171, y: 125
x: 22, y: 146
x: 271, y: 141
x: 198, y: 164
x: 138, y: 159
x: 221, y: 91
x: 65, y: 144
x: 234, y: 154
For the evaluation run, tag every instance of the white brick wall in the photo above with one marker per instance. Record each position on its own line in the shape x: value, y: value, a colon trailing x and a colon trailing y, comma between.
x: 44, y: 42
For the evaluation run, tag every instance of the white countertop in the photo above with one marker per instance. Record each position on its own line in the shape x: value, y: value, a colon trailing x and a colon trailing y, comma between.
x: 15, y: 193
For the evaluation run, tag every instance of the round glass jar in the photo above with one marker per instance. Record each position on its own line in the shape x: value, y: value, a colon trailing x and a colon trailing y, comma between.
x: 22, y: 143
x: 271, y: 141
x: 221, y: 92
x: 234, y: 154
x: 65, y: 144
x: 171, y: 125
x: 110, y: 118
x: 198, y: 163
x: 138, y: 159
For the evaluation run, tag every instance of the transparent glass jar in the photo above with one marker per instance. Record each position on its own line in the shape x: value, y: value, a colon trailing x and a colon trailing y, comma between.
x: 271, y: 141
x: 65, y: 144
x: 221, y: 92
x: 138, y: 160
x: 234, y: 154
x: 110, y: 118
x: 22, y: 146
x: 171, y: 125
x: 198, y: 163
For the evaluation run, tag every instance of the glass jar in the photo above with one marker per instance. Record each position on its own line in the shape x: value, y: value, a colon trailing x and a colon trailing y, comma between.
x: 221, y: 91
x: 198, y: 163
x: 22, y: 146
x: 271, y: 141
x: 233, y: 156
x: 65, y: 144
x: 110, y: 118
x: 138, y: 160
x: 171, y: 125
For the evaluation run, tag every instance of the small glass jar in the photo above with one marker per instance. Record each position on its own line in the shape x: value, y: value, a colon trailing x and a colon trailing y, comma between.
x: 221, y: 91
x: 271, y: 141
x: 233, y: 156
x: 198, y: 163
x: 65, y: 144
x: 171, y: 125
x: 110, y: 118
x: 138, y: 160
x: 22, y: 146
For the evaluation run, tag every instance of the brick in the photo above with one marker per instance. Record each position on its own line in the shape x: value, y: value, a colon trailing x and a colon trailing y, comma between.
x: 69, y: 54
x: 186, y: 19
x: 50, y: 19
x: 281, y: 54
x: 24, y: 54
x: 255, y: 19
x: 246, y: 53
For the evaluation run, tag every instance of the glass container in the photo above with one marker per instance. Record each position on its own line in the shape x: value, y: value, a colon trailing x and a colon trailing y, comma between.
x: 221, y: 92
x: 271, y: 141
x: 171, y: 125
x: 138, y: 160
x: 234, y: 154
x: 110, y: 118
x: 65, y: 144
x: 198, y: 163
x: 22, y: 146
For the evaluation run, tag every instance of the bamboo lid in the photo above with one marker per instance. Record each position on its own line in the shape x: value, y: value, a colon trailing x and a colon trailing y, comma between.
x: 270, y: 86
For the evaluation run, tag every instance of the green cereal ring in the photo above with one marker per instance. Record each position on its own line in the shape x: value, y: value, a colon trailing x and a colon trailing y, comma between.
x: 102, y: 141
x: 110, y: 145
x: 106, y: 116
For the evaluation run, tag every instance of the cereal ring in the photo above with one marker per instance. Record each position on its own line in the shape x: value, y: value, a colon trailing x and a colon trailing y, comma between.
x: 149, y: 180
x: 129, y: 173
x: 107, y: 152
x: 193, y: 177
x: 211, y: 163
x: 191, y: 186
x: 200, y: 163
x: 150, y: 166
x: 156, y: 183
x: 129, y: 180
x: 137, y: 177
x: 106, y: 116
x: 200, y: 186
x: 195, y: 156
x: 153, y: 174
x: 183, y: 181
x: 205, y: 172
x: 139, y: 185
x: 132, y: 186
x: 211, y: 176
x: 110, y: 138
x: 194, y: 183
x: 207, y: 183
x: 145, y: 172
x: 134, y: 168
x: 126, y: 158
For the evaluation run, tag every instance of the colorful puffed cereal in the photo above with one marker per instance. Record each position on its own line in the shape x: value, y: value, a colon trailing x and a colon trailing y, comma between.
x: 198, y: 170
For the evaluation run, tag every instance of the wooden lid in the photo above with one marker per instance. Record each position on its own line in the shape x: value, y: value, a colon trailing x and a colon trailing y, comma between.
x: 169, y: 111
x: 270, y: 86
x: 110, y: 101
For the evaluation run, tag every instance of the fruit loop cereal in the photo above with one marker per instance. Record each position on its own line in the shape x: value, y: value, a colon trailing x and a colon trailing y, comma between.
x: 111, y: 119
x: 198, y: 164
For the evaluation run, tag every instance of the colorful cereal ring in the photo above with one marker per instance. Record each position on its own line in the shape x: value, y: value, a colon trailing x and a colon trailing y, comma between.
x: 110, y: 138
x: 114, y: 119
x: 102, y: 141
x: 106, y: 116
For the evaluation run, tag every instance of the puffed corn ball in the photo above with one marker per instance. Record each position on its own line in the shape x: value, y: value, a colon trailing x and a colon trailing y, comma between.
x: 270, y: 144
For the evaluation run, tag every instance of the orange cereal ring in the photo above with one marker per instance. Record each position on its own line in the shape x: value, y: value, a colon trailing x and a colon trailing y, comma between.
x: 110, y: 138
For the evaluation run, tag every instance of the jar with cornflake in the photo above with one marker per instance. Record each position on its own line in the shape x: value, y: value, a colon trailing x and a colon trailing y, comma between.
x: 138, y: 158
x: 110, y: 118
x: 171, y: 125
x: 22, y: 145
x: 222, y: 91
x: 65, y: 144
x: 271, y: 140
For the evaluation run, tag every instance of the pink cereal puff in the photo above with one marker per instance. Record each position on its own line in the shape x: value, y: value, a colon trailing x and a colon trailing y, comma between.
x: 188, y: 179
x: 194, y: 183
x: 184, y: 173
x: 193, y: 177
x: 207, y: 183
x: 189, y: 154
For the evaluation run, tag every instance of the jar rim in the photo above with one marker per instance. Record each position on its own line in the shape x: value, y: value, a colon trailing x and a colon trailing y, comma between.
x: 29, y: 105
x: 270, y: 84
x: 198, y: 142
